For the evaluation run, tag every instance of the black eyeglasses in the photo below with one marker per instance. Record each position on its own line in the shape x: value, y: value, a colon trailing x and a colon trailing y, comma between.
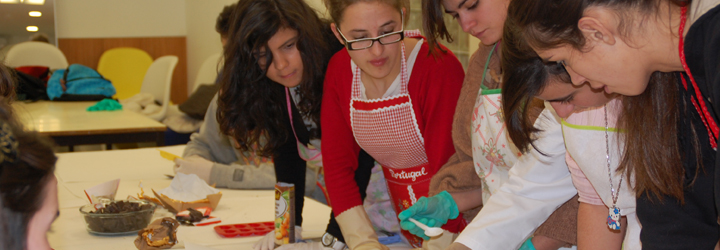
x: 389, y: 38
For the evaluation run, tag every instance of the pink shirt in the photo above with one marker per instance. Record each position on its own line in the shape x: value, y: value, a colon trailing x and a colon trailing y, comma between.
x: 585, y: 189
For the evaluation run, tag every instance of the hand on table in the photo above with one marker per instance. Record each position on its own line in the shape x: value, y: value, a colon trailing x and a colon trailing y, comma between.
x: 194, y: 165
x: 268, y: 241
x: 432, y: 211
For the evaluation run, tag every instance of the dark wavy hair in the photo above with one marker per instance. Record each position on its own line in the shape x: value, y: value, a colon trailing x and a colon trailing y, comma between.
x: 7, y: 84
x: 222, y: 24
x: 652, y: 155
x: 249, y: 107
x: 23, y: 180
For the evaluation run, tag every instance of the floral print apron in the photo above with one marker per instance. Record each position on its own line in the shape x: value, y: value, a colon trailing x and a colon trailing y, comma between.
x: 493, y: 153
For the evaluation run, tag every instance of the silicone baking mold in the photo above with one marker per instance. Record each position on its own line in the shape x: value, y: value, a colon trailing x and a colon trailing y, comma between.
x: 245, y: 230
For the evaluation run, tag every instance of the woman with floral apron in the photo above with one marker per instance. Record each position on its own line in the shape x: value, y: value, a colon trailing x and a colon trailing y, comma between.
x: 484, y: 156
x: 493, y: 153
x: 390, y: 97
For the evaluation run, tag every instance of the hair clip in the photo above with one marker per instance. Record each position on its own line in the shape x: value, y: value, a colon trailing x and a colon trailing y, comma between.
x: 8, y: 144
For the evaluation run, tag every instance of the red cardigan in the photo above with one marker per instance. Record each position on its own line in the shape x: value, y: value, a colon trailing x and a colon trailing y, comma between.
x: 434, y: 88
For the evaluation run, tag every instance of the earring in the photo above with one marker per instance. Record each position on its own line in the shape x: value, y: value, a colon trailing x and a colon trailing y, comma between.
x: 598, y: 35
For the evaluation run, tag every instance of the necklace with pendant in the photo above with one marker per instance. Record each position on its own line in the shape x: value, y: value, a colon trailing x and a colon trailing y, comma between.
x: 613, y: 219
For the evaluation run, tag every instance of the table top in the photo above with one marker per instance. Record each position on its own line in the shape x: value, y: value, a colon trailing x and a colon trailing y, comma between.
x: 71, y: 118
x: 80, y: 170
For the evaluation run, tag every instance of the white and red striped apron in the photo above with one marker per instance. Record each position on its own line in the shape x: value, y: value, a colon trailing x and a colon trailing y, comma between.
x: 387, y: 129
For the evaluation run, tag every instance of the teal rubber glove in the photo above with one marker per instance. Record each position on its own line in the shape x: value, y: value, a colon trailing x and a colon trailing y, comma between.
x: 528, y: 245
x: 432, y: 211
x: 105, y: 105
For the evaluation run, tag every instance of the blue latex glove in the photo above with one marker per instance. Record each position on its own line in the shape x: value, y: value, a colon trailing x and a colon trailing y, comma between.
x: 528, y: 245
x: 433, y: 211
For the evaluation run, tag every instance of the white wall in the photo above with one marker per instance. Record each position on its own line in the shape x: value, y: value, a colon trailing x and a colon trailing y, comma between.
x: 125, y: 18
x: 202, y: 40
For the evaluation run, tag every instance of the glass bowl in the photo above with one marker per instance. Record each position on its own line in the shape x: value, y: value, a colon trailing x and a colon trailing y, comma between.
x: 117, y: 223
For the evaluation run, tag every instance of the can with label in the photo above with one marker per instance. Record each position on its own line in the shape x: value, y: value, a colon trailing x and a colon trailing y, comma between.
x: 284, y: 213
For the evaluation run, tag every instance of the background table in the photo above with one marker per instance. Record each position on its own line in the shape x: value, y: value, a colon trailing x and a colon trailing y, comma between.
x: 80, y: 170
x: 68, y: 123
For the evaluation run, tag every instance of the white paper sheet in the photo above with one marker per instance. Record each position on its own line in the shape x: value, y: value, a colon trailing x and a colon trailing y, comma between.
x: 187, y: 188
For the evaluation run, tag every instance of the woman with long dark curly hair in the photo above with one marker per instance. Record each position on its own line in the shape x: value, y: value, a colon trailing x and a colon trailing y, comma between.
x: 271, y: 89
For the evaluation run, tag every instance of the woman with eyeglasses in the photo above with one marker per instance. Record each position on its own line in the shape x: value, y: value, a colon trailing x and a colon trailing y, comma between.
x: 389, y: 94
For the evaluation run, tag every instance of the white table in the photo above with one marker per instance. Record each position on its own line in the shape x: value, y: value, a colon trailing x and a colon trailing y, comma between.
x: 77, y: 171
x: 68, y: 123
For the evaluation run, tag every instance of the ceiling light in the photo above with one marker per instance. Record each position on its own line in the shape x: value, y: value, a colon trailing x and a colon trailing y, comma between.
x: 35, y: 2
x: 32, y: 28
x: 35, y: 13
x: 8, y: 1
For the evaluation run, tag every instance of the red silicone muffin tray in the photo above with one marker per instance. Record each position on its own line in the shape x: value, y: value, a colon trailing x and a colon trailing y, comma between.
x: 246, y: 229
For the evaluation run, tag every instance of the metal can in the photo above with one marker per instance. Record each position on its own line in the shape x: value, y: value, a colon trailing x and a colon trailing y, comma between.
x: 284, y: 213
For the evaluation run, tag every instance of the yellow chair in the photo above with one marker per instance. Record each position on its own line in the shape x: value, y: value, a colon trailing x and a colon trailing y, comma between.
x: 125, y: 68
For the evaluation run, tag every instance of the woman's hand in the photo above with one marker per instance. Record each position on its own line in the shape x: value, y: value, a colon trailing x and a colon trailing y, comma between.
x: 194, y: 165
x: 432, y: 211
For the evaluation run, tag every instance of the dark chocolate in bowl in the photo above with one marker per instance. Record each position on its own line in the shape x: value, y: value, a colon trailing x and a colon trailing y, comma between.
x: 123, y: 219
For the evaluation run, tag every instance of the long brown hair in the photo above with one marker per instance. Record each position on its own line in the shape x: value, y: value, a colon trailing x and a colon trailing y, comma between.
x: 650, y: 120
x: 434, y: 24
x: 249, y: 109
x: 525, y: 76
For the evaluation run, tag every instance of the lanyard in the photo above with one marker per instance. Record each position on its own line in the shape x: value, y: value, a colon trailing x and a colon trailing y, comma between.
x: 708, y: 121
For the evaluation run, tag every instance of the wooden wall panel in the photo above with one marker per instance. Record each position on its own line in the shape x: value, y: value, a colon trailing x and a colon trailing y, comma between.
x: 87, y: 51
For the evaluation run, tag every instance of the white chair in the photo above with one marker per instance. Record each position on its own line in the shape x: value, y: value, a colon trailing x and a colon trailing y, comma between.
x: 36, y: 54
x: 208, y: 70
x: 157, y: 82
